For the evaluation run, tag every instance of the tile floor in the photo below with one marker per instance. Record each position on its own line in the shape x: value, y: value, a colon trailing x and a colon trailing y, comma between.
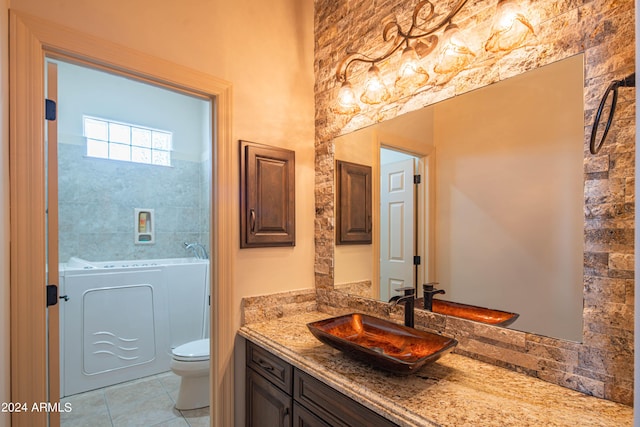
x: 147, y: 402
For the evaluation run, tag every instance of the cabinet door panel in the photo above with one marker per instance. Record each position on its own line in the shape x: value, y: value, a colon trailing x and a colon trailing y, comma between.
x: 267, y: 211
x: 267, y: 405
x: 304, y: 418
x: 354, y: 203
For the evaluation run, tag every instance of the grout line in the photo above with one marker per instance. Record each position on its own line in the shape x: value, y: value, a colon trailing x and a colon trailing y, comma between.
x: 106, y: 403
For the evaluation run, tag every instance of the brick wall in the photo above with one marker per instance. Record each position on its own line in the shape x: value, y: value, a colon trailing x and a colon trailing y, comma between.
x: 602, y: 365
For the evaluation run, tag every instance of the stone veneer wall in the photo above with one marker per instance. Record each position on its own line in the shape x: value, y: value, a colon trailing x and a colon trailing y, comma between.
x: 263, y: 308
x: 602, y: 365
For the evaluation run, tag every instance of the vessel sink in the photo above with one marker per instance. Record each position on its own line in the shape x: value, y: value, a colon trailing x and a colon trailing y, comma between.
x: 472, y: 312
x: 381, y: 343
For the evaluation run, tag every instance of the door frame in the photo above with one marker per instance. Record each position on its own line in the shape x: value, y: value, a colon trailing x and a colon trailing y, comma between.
x: 31, y: 40
x: 53, y: 271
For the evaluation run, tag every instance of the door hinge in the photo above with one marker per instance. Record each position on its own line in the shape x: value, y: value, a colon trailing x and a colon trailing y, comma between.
x: 416, y: 260
x: 49, y: 109
x: 52, y: 295
x: 416, y: 179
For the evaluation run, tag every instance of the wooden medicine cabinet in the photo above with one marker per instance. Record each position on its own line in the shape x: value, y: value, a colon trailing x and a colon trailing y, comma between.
x: 353, y: 200
x: 267, y: 196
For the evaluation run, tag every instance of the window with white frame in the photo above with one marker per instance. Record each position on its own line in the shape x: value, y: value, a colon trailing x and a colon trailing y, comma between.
x: 107, y: 139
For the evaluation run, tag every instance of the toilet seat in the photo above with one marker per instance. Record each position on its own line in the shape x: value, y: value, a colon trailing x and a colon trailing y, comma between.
x: 194, y: 351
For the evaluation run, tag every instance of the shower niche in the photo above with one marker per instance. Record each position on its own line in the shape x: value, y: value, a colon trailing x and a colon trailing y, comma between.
x: 144, y: 226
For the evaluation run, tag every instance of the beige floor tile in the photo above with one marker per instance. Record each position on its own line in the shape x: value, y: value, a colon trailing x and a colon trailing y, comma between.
x: 169, y: 379
x: 176, y: 422
x: 171, y: 383
x: 85, y: 404
x: 122, y: 397
x: 93, y: 420
x: 148, y: 402
x: 145, y: 413
x: 197, y: 417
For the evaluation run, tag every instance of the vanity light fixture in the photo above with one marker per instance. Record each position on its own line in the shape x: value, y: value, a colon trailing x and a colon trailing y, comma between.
x: 411, y: 75
x: 454, y: 54
x: 509, y: 30
x: 375, y: 90
x: 510, y: 27
x: 347, y: 103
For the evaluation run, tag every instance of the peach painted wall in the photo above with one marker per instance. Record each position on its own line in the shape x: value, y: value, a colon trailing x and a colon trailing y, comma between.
x: 354, y: 263
x: 509, y: 200
x: 265, y: 49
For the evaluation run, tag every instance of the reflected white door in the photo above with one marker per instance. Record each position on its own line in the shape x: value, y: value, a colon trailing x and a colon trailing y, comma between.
x: 397, y: 234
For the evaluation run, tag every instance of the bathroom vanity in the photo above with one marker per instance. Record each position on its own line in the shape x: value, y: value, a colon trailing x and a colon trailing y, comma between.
x: 278, y: 393
x: 309, y: 383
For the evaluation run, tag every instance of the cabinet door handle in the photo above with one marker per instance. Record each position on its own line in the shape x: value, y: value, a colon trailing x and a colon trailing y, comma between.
x: 285, y: 414
x: 252, y: 220
x: 264, y: 365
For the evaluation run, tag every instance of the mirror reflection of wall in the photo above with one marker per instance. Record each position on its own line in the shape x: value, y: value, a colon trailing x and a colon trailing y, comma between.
x: 353, y: 275
x: 502, y: 198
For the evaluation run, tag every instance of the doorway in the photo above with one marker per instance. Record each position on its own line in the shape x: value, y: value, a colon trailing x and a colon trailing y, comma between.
x: 132, y: 191
x: 31, y: 41
x: 402, y: 230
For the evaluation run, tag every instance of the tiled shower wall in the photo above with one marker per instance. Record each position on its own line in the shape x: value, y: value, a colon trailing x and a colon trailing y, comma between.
x: 97, y: 198
x: 602, y: 364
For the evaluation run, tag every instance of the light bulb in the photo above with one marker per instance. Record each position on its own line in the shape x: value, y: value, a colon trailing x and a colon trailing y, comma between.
x: 346, y: 103
x: 410, y: 74
x: 375, y: 90
x: 510, y: 27
x: 454, y: 54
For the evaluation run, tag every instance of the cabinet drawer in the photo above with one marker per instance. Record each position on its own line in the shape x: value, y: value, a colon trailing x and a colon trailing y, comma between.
x: 334, y: 408
x: 270, y: 366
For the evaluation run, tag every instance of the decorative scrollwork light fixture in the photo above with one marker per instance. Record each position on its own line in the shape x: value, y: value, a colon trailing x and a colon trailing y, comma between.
x: 509, y: 30
x: 510, y: 27
x: 454, y: 53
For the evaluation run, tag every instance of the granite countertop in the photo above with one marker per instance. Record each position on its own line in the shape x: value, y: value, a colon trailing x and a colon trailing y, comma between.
x: 454, y: 391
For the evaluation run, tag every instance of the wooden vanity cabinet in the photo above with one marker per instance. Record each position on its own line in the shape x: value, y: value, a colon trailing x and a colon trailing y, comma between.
x: 280, y: 395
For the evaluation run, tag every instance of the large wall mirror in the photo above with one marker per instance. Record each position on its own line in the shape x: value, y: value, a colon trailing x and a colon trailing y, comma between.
x: 497, y: 218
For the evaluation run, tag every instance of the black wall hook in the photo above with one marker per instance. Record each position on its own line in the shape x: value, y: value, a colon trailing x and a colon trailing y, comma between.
x: 629, y: 81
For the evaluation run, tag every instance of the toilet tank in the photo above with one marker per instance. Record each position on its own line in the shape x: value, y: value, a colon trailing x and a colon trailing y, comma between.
x: 188, y: 299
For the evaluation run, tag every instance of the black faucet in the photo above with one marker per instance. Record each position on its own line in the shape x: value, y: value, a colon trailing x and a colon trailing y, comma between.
x: 428, y: 292
x: 408, y: 299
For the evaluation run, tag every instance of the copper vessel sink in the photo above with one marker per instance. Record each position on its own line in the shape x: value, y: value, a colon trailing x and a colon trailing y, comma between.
x: 472, y: 312
x: 381, y: 343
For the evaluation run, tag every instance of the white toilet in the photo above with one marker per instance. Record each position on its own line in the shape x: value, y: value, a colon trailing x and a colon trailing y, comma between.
x: 190, y: 361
